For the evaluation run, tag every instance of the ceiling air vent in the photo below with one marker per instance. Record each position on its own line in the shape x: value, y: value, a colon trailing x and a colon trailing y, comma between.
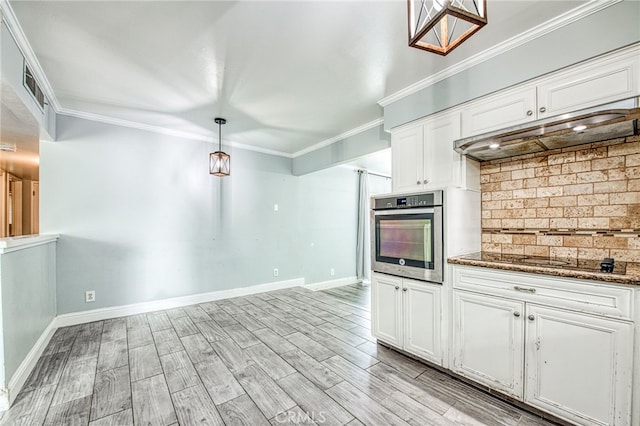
x: 31, y: 84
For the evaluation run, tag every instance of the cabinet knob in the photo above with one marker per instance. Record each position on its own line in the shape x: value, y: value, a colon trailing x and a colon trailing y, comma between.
x: 425, y: 181
x: 543, y: 109
x: 404, y: 289
x: 516, y: 314
x: 529, y: 113
x: 531, y: 317
x: 397, y: 287
x: 418, y: 182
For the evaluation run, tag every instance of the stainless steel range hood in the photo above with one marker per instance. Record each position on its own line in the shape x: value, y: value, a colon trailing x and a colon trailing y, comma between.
x: 596, y: 124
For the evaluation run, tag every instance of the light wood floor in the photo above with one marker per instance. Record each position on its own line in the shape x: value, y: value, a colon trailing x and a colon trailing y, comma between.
x: 285, y: 357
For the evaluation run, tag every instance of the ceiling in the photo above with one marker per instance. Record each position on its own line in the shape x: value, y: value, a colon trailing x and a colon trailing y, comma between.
x: 285, y: 74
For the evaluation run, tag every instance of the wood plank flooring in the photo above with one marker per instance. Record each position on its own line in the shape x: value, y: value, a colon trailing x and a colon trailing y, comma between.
x: 281, y: 358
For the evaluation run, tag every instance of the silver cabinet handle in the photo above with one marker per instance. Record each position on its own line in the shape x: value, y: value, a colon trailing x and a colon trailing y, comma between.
x: 404, y: 289
x: 543, y: 109
x: 529, y: 113
x: 531, y: 317
x: 397, y: 287
x: 425, y: 181
x: 528, y: 290
x: 516, y: 314
x: 418, y: 182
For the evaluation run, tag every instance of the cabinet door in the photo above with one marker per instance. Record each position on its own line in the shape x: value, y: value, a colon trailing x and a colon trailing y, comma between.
x: 406, y: 159
x: 579, y: 366
x: 386, y: 309
x: 439, y: 157
x: 505, y: 109
x: 422, y: 320
x: 488, y: 341
x: 590, y: 85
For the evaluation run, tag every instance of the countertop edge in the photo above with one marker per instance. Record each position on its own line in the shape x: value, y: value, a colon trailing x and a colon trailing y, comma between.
x: 541, y: 270
x: 7, y: 245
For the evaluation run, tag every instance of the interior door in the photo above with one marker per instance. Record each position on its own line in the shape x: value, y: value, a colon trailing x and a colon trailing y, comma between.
x: 35, y: 208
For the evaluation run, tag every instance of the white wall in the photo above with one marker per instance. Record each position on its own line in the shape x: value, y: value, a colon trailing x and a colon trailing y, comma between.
x: 141, y: 219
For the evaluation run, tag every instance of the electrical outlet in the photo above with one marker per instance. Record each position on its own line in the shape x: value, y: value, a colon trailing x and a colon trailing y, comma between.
x: 90, y: 296
x: 333, y: 272
x: 275, y: 272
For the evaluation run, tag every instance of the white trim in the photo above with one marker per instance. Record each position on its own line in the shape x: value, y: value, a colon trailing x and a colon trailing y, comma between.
x: 352, y: 132
x: 26, y: 366
x: 163, y: 130
x: 82, y: 317
x: 325, y: 285
x: 553, y: 24
x: 258, y: 149
x: 7, y: 245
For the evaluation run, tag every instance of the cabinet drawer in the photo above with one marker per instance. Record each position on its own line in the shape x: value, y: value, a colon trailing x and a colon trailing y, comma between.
x: 577, y: 295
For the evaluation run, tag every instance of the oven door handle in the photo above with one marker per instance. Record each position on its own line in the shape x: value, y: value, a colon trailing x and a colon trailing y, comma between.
x: 394, y: 212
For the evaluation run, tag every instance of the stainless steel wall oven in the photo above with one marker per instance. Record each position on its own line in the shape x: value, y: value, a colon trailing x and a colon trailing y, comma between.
x: 407, y: 235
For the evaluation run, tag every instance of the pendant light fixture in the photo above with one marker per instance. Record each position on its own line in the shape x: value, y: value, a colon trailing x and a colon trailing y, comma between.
x: 219, y: 162
x: 439, y: 26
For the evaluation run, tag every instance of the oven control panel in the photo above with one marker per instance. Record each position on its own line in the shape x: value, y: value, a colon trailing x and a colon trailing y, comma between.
x: 426, y: 199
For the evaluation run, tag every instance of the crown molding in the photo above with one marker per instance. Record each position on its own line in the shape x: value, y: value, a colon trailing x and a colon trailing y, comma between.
x: 551, y: 25
x: 165, y: 131
x: 327, y: 142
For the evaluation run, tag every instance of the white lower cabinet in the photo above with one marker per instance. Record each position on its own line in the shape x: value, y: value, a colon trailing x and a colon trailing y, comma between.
x: 386, y: 309
x: 407, y: 314
x: 488, y: 341
x: 574, y: 365
x: 579, y: 366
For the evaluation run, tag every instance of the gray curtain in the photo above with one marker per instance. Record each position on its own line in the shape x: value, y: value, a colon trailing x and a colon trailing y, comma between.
x: 363, y: 247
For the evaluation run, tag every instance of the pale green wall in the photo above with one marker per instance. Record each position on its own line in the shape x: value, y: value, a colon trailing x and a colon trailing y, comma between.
x: 27, y: 280
x: 361, y: 144
x: 141, y: 219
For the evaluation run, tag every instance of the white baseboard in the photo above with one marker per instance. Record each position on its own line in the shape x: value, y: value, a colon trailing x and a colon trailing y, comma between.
x: 82, y: 317
x: 324, y: 285
x: 24, y: 369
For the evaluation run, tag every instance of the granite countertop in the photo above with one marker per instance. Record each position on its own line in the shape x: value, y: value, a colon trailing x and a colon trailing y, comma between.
x: 623, y: 273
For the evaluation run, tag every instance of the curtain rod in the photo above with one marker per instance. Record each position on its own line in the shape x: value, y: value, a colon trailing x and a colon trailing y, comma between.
x: 373, y: 173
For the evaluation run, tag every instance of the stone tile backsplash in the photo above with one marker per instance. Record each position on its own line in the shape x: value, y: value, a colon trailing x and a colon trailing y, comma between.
x: 580, y: 202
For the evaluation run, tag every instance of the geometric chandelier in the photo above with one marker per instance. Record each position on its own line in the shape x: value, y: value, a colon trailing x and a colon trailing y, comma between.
x: 219, y: 162
x: 439, y: 26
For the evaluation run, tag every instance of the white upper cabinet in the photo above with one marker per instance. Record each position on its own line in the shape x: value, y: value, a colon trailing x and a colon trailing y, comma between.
x: 423, y: 156
x: 407, y: 165
x: 506, y: 109
x: 596, y: 82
